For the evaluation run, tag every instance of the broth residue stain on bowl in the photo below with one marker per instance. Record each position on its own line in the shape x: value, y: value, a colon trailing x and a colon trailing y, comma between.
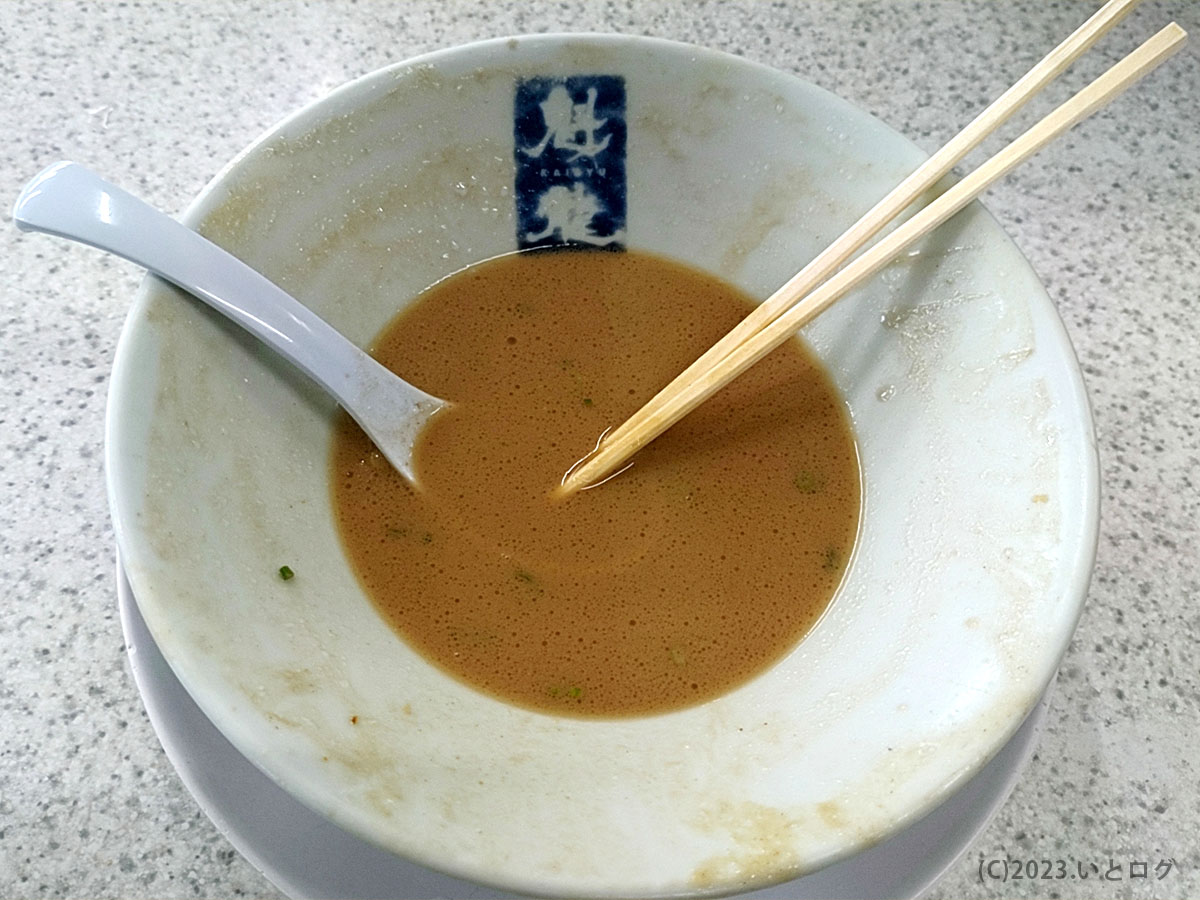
x: 763, y: 842
x: 696, y: 569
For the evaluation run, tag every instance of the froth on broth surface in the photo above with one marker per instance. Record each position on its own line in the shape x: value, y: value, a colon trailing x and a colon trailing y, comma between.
x: 681, y: 578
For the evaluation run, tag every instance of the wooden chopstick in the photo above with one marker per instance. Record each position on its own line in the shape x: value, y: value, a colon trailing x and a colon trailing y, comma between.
x: 589, y: 471
x: 905, y: 193
x: 685, y: 394
x: 594, y: 467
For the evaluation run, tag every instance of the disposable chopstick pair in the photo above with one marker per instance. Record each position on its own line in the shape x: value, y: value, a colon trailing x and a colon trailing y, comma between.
x: 781, y: 315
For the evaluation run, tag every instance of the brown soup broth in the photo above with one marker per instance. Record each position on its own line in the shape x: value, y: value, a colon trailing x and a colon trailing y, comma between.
x: 678, y: 580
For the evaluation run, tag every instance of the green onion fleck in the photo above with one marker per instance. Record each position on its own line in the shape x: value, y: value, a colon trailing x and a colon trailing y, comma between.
x: 809, y: 482
x: 286, y: 573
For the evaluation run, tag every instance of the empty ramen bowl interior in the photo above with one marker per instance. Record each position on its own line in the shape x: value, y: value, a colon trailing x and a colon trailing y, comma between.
x: 955, y: 594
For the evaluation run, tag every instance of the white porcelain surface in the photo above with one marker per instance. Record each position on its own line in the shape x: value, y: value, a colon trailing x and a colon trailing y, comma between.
x: 975, y: 438
x: 307, y: 856
x: 68, y: 200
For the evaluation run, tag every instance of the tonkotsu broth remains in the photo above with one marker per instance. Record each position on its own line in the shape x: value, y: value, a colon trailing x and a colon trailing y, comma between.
x: 681, y: 578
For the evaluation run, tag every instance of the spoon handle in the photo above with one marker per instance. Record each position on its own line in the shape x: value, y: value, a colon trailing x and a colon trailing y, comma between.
x: 69, y: 201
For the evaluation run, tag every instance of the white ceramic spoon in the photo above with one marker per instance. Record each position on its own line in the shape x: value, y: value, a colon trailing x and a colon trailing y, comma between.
x: 69, y: 201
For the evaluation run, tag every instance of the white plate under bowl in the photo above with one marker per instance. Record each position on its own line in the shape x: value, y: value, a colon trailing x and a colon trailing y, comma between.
x: 309, y: 858
x: 978, y: 458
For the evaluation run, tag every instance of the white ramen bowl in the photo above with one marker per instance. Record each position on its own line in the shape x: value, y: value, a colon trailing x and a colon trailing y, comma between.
x: 979, y: 465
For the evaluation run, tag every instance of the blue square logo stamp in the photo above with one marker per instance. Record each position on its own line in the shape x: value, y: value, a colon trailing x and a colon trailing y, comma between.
x: 569, y: 142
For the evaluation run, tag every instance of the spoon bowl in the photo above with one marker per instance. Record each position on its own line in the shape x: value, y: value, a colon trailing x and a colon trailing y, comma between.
x: 67, y: 200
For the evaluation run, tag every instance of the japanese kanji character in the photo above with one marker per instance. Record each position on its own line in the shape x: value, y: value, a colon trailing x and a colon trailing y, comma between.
x: 569, y: 213
x: 570, y: 126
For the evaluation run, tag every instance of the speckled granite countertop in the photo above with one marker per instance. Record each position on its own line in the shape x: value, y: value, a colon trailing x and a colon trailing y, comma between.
x: 158, y: 96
